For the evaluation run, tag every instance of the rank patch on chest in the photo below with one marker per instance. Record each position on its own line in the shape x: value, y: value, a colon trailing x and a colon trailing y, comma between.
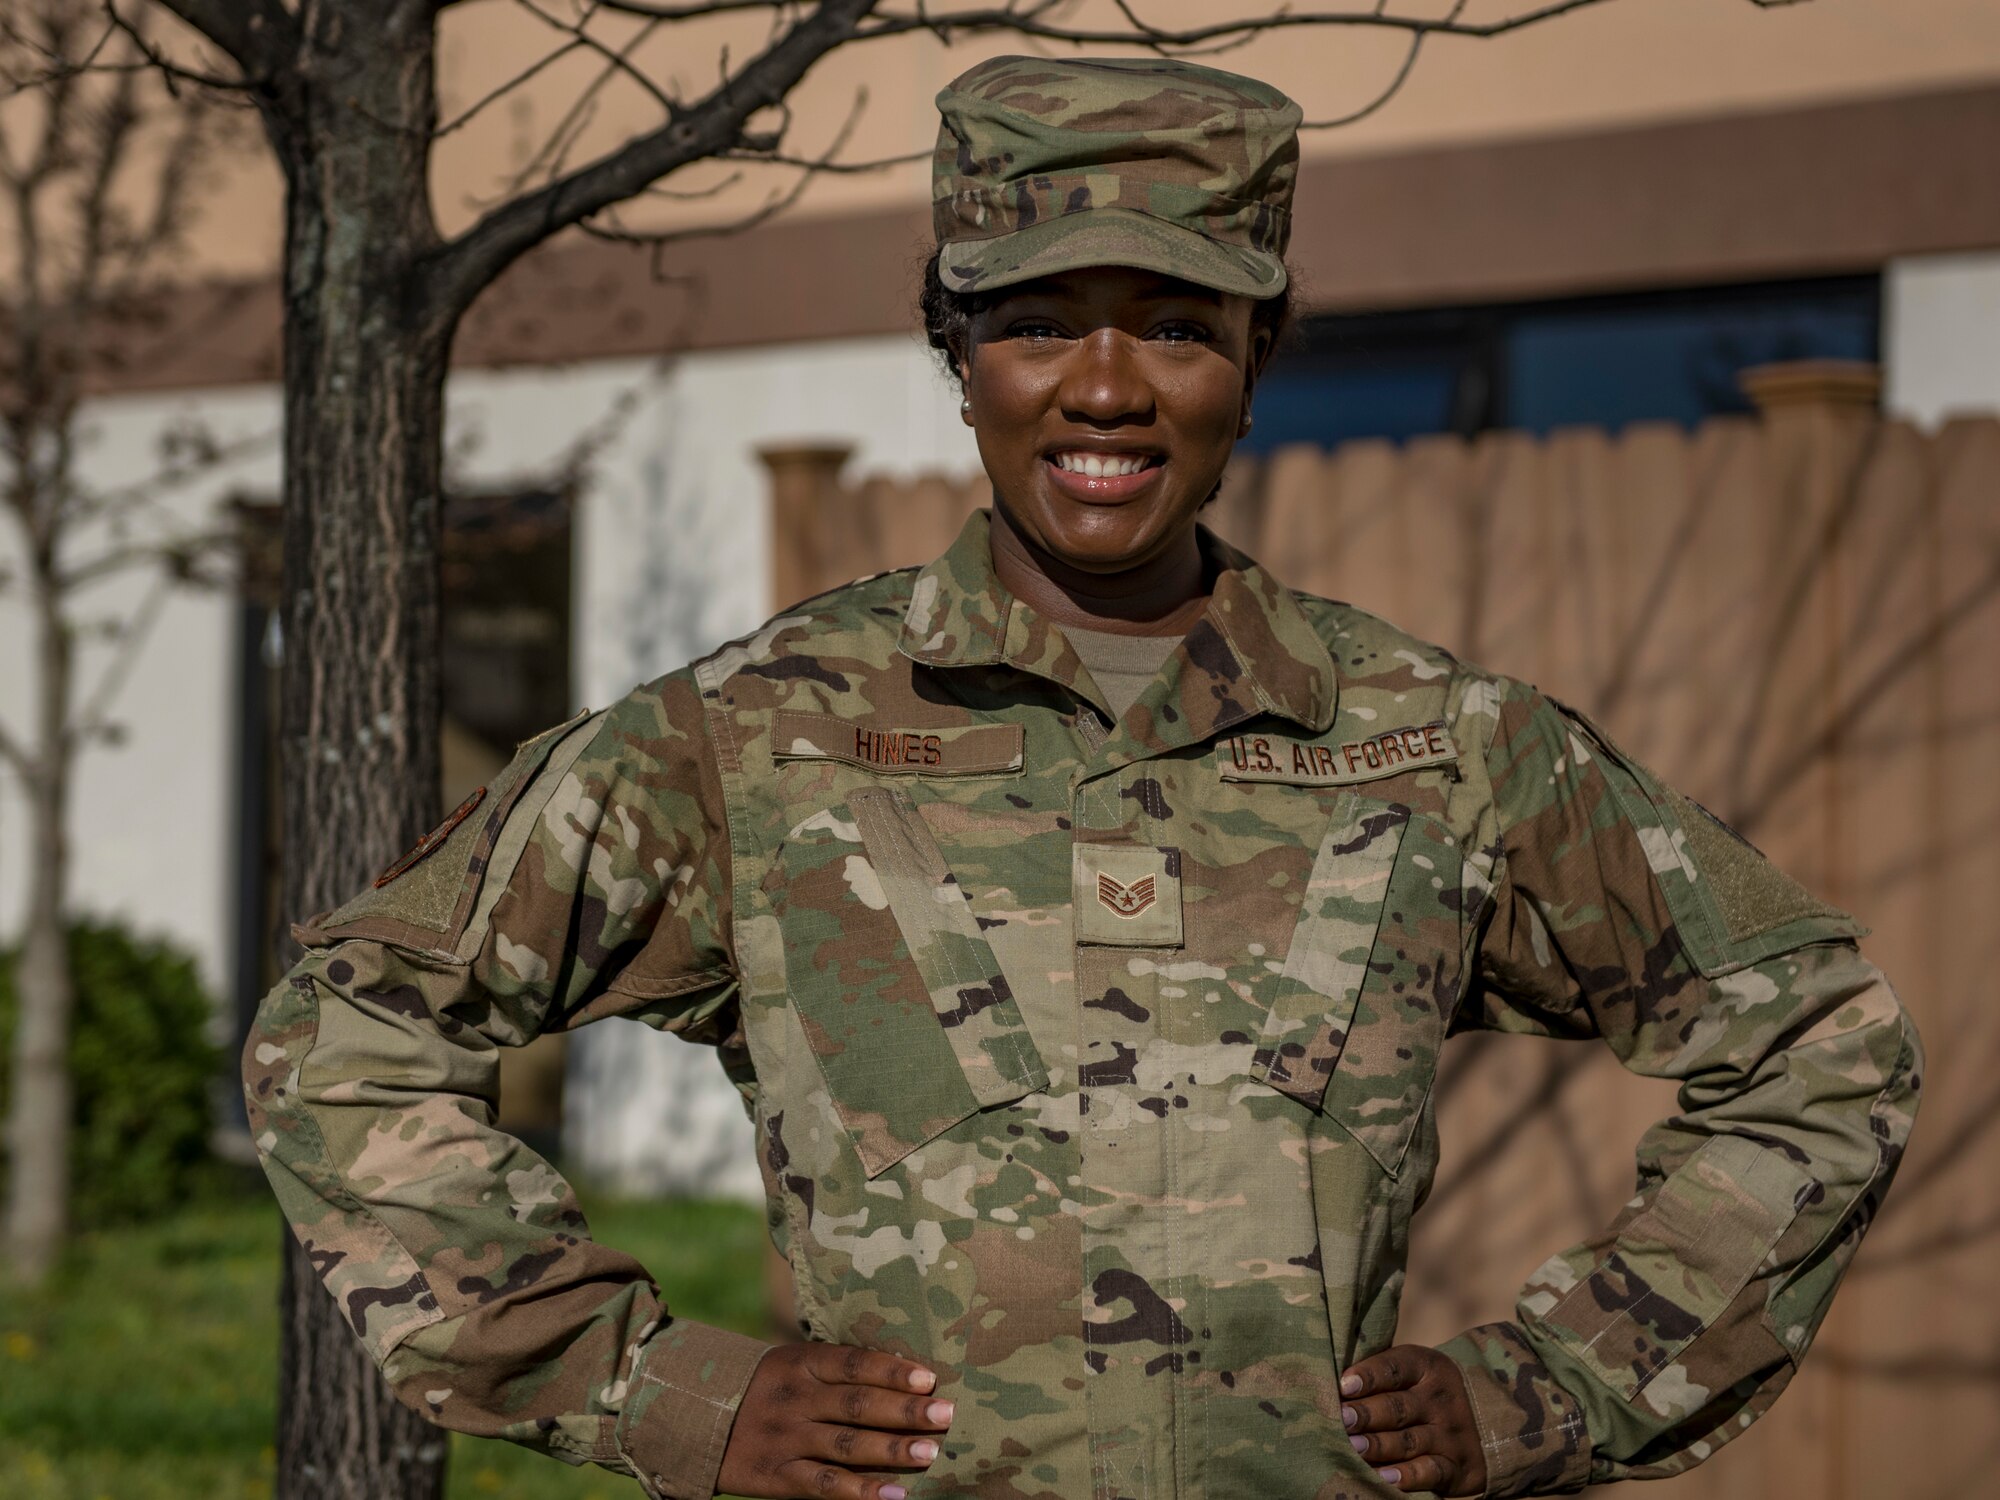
x: 1272, y: 757
x: 897, y: 750
x: 1128, y: 896
x: 1125, y: 900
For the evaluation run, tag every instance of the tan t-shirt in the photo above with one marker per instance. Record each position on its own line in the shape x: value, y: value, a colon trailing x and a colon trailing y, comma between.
x: 1123, y: 665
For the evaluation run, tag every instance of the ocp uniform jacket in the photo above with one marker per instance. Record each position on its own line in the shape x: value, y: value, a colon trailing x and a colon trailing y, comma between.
x: 1091, y: 1062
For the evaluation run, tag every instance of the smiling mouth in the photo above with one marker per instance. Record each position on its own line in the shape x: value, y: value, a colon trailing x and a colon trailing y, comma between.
x: 1104, y: 465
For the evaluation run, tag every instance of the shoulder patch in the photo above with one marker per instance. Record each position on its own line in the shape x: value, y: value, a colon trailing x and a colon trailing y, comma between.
x: 1731, y: 905
x: 434, y: 839
x: 424, y: 900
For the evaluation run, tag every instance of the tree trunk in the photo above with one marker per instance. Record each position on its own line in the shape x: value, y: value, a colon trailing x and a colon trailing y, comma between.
x: 39, y: 1108
x: 365, y: 361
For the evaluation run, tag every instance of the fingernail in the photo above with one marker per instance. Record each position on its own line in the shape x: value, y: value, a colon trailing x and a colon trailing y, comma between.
x: 923, y: 1450
x: 1350, y: 1385
x: 939, y: 1413
x: 1360, y: 1441
x: 893, y: 1492
x: 922, y: 1380
x: 1349, y: 1418
x: 1389, y: 1476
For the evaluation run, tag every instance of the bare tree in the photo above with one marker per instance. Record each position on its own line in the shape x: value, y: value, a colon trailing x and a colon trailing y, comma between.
x: 373, y: 294
x: 96, y: 204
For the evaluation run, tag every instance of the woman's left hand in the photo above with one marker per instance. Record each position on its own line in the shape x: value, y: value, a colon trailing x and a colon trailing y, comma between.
x: 1408, y: 1415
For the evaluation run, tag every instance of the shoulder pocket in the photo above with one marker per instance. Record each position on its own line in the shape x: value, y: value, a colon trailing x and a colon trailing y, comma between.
x: 1371, y: 977
x: 428, y: 899
x: 1731, y: 906
x: 905, y: 1007
x: 1676, y: 1267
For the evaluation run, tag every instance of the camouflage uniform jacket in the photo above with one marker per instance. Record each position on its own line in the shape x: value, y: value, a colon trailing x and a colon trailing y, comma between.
x: 1091, y: 1063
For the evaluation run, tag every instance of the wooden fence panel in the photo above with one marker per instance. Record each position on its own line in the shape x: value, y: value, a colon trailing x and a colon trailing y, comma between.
x: 1795, y: 619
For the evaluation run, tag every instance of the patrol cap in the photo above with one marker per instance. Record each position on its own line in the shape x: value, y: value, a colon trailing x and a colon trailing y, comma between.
x: 1048, y: 164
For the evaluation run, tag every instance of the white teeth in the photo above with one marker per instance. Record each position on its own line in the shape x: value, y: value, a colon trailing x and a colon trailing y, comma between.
x: 1096, y: 466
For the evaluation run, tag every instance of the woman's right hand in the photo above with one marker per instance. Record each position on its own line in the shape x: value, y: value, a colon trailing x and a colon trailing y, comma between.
x: 815, y: 1414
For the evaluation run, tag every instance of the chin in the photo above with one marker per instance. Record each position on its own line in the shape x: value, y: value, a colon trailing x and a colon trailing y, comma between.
x: 1101, y: 548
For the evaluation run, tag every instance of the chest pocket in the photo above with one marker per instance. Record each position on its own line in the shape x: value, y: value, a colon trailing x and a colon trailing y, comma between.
x: 1371, y: 977
x: 906, y: 1010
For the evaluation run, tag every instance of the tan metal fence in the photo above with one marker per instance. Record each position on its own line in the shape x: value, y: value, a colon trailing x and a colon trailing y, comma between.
x: 1795, y: 618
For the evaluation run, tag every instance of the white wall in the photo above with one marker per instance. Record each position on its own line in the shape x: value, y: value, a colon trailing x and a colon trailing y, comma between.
x: 1941, y: 336
x: 672, y: 559
x: 153, y: 819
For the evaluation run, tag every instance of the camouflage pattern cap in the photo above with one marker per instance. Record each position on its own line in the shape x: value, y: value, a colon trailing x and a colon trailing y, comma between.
x: 1046, y: 165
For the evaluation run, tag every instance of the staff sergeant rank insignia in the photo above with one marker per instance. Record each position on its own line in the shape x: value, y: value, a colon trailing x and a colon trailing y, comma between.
x: 1269, y: 757
x: 1125, y: 900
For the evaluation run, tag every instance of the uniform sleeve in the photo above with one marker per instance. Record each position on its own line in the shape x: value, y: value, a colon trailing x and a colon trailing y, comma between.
x: 591, y: 879
x: 1624, y: 911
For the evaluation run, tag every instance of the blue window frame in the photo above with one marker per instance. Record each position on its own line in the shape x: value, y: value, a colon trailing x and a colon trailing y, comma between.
x: 1598, y: 361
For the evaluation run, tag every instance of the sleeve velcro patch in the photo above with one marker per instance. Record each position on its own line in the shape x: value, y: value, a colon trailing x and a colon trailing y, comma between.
x: 1731, y: 906
x: 424, y: 899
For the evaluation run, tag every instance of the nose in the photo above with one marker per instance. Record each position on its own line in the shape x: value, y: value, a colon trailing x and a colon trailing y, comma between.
x: 1104, y: 384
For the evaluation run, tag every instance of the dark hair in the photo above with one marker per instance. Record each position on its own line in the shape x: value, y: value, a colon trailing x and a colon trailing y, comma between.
x: 948, y: 315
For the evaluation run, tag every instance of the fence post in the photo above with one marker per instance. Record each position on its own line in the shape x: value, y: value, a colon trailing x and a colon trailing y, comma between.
x: 1845, y: 385
x: 805, y: 482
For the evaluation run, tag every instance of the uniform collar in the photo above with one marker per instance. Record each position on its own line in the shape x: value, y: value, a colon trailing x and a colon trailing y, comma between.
x: 1253, y: 651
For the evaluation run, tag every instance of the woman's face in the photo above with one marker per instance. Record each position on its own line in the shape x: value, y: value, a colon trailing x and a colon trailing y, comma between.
x: 1106, y: 402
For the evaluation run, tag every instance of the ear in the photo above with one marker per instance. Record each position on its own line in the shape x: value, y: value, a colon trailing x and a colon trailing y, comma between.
x: 1262, y: 342
x: 961, y: 358
x: 1261, y: 347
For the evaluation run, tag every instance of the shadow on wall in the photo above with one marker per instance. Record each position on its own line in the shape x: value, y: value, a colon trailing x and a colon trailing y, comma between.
x: 1794, y: 617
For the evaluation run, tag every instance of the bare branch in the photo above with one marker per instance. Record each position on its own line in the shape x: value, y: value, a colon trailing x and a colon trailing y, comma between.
x: 15, y: 754
x: 1142, y: 34
x: 89, y: 721
x: 688, y: 12
x: 822, y: 165
x: 500, y: 91
x: 777, y: 204
x: 709, y: 128
x: 617, y: 60
x: 154, y: 60
x: 260, y: 36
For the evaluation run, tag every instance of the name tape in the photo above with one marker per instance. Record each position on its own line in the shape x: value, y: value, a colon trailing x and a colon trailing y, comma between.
x: 962, y: 750
x: 1268, y: 757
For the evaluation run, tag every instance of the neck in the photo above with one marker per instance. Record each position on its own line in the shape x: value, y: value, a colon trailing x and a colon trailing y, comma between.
x: 1164, y: 595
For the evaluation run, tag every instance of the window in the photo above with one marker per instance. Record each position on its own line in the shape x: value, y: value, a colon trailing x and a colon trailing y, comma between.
x: 1595, y: 361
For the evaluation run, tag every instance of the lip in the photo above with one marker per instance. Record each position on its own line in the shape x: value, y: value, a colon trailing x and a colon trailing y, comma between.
x: 1103, y: 489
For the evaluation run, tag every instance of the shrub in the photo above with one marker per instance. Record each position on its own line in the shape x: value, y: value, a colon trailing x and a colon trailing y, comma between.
x: 141, y: 1064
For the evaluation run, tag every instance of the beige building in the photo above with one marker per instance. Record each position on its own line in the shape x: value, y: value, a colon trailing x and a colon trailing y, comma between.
x: 1594, y: 221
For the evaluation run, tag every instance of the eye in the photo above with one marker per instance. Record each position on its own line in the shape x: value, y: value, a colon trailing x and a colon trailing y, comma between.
x: 1035, y: 330
x: 1184, y: 332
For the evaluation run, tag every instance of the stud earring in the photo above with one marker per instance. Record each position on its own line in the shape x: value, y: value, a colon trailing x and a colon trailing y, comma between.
x: 965, y: 407
x: 1244, y: 430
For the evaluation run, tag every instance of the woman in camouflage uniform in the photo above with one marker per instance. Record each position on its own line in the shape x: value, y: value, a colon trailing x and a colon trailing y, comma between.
x: 1082, y: 917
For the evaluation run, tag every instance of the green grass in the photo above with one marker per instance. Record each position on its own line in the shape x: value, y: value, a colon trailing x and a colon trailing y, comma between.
x: 145, y: 1369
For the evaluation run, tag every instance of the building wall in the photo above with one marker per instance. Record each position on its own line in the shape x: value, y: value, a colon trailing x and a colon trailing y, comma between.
x: 1622, y: 62
x: 154, y: 818
x: 1941, y: 336
x: 671, y: 559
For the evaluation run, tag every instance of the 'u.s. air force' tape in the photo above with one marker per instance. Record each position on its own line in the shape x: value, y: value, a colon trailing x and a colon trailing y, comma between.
x: 1271, y: 757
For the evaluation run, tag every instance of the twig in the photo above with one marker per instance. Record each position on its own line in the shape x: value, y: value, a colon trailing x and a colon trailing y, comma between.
x: 776, y: 205
x: 89, y: 720
x: 1147, y: 35
x: 618, y: 60
x: 471, y: 261
x: 15, y: 754
x: 465, y: 116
